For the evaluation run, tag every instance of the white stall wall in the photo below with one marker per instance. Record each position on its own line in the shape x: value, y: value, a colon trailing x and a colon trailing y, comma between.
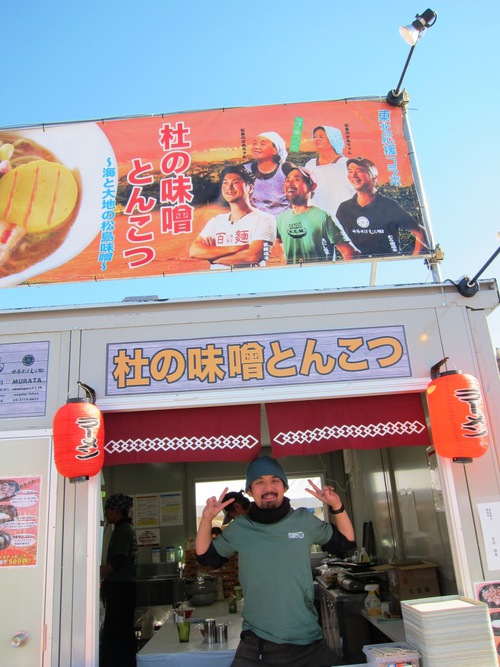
x: 437, y: 322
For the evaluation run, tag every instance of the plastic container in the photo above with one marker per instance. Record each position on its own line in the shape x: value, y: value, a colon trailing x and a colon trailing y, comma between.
x: 156, y: 554
x: 170, y: 555
x: 373, y: 605
x: 398, y: 654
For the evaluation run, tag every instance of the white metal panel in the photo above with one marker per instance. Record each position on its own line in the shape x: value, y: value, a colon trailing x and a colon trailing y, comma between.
x: 24, y: 588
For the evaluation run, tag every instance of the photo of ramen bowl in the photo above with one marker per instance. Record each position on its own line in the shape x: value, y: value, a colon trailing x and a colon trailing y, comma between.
x: 490, y: 594
x: 495, y: 623
x: 51, y: 187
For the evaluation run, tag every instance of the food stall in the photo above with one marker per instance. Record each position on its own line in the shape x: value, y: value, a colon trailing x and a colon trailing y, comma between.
x: 401, y: 333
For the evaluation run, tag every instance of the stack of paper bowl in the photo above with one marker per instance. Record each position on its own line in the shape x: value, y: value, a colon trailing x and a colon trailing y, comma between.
x: 450, y: 630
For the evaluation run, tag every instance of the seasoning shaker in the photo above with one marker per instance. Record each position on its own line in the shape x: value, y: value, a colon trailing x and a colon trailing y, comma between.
x: 209, y: 630
x: 221, y: 633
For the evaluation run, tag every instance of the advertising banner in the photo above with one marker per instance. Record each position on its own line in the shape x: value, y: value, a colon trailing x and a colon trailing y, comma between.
x: 227, y: 189
x: 236, y: 362
x: 19, y: 517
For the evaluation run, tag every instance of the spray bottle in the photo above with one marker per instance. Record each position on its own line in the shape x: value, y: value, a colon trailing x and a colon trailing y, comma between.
x: 373, y: 606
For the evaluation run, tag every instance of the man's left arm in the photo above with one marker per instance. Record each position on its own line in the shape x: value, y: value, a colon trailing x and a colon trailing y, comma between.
x: 249, y: 254
x: 328, y: 496
x: 408, y: 222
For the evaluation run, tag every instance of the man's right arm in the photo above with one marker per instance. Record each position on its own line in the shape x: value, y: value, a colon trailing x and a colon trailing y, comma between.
x: 213, y: 507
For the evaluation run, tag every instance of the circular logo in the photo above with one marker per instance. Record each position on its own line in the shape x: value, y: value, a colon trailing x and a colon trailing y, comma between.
x: 363, y: 222
x: 28, y: 360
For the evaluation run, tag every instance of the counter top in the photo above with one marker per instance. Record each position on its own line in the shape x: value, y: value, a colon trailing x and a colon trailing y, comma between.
x: 165, y: 650
x: 391, y: 627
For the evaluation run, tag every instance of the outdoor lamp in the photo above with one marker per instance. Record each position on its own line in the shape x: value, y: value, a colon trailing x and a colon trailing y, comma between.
x: 468, y: 286
x: 78, y: 432
x: 411, y: 34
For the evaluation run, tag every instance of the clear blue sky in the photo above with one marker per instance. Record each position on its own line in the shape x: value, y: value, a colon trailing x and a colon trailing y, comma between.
x: 91, y: 60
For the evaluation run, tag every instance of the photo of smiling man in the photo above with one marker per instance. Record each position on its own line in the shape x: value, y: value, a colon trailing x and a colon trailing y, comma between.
x: 244, y: 236
x: 372, y: 220
x: 306, y: 232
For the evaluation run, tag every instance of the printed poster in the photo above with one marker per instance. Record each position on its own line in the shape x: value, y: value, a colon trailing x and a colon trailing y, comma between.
x: 148, y: 537
x: 146, y: 511
x: 23, y: 379
x: 143, y: 197
x: 171, y: 509
x: 19, y: 520
x: 489, y: 593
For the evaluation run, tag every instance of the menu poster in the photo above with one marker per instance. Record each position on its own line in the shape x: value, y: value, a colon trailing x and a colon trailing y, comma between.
x: 148, y: 537
x: 171, y: 509
x: 489, y: 593
x: 146, y: 511
x: 489, y: 514
x: 23, y: 379
x: 19, y: 518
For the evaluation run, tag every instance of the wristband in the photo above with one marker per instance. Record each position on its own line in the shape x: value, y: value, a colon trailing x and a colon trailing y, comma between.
x: 339, y: 511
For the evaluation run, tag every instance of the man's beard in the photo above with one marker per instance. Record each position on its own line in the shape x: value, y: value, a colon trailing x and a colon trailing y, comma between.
x: 269, y: 503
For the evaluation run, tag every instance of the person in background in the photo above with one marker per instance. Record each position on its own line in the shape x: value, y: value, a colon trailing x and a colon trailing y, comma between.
x: 371, y: 220
x: 329, y: 169
x: 273, y: 541
x: 244, y: 236
x: 268, y: 153
x: 240, y: 505
x: 118, y: 642
x: 306, y: 232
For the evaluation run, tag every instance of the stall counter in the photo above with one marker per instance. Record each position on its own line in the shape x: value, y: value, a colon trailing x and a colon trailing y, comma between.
x: 165, y: 650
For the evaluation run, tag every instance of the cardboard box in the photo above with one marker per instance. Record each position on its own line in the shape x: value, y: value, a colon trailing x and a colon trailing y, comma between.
x: 411, y: 579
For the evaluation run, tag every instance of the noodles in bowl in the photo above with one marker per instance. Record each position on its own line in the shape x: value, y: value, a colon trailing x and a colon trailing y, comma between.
x: 39, y: 200
x: 79, y: 154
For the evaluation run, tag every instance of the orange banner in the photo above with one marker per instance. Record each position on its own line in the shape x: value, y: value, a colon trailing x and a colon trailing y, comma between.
x: 143, y: 197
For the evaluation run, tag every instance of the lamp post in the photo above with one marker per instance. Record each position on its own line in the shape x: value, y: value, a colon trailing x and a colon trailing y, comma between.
x: 468, y: 286
x: 411, y: 34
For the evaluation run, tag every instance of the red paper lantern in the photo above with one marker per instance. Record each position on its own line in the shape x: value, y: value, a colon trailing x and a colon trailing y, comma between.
x: 458, y: 417
x: 78, y: 430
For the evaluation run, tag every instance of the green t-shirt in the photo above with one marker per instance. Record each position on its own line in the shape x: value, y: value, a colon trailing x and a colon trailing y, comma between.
x: 309, y: 236
x: 274, y: 567
x: 123, y: 542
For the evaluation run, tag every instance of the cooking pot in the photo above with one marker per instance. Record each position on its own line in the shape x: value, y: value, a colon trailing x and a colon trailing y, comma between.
x: 201, y: 591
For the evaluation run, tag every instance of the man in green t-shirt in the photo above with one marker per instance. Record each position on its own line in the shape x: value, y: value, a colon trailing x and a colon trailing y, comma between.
x: 273, y: 542
x: 306, y: 232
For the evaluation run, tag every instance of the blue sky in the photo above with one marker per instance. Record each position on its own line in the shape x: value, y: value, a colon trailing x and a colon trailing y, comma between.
x: 92, y: 60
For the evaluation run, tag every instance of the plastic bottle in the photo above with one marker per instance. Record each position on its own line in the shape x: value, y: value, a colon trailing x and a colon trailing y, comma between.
x: 180, y: 554
x: 232, y: 604
x: 373, y: 606
x: 363, y: 556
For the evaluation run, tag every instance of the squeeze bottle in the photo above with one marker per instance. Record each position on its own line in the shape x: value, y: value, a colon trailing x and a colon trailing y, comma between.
x: 373, y: 606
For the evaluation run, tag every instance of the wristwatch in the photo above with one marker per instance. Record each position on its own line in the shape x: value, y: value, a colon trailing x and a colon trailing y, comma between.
x: 339, y: 511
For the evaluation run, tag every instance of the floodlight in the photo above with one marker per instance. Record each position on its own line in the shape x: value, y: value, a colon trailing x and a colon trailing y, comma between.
x: 411, y: 34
